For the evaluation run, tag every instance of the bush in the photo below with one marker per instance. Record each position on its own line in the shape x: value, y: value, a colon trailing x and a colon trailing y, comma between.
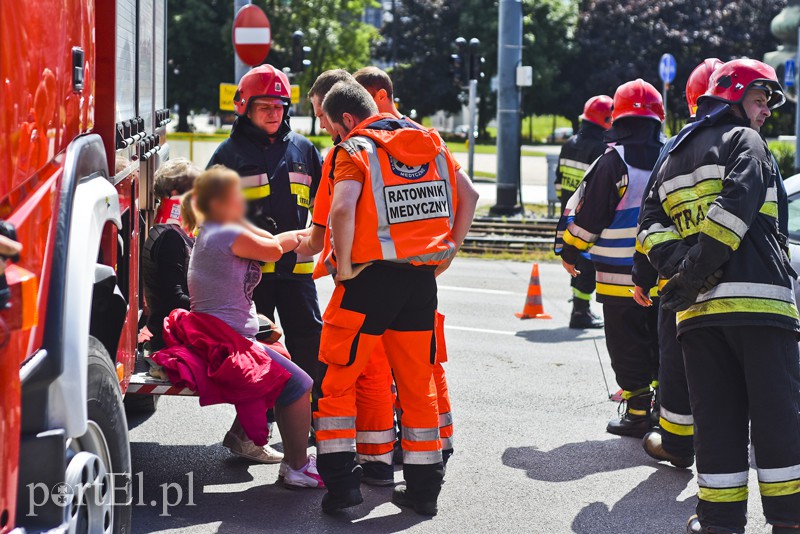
x: 784, y: 155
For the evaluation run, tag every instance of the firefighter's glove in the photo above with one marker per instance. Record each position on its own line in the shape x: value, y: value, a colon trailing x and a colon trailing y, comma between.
x: 711, y: 281
x: 680, y: 292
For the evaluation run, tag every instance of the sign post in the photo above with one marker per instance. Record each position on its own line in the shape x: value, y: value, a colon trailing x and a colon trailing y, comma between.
x: 667, y: 68
x: 252, y: 36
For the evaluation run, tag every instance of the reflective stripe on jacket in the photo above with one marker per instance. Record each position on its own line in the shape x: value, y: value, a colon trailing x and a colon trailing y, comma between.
x: 717, y: 195
x: 406, y: 209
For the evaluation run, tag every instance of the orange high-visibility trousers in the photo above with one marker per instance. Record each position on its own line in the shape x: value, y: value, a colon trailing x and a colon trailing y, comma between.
x: 442, y: 392
x: 375, y: 429
x: 398, y: 305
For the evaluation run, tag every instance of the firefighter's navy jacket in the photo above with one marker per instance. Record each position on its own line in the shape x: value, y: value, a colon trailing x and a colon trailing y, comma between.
x: 280, y: 179
x: 715, y: 205
x: 577, y: 154
x: 601, y: 217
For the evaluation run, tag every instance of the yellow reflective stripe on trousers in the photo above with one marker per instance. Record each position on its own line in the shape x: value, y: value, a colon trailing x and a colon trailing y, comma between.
x: 780, y: 481
x: 722, y: 495
x: 675, y: 428
x: 254, y: 193
x: 739, y: 305
x: 723, y: 487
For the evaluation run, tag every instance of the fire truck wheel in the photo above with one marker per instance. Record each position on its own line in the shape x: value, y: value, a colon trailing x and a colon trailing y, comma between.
x: 104, y: 448
x: 141, y: 404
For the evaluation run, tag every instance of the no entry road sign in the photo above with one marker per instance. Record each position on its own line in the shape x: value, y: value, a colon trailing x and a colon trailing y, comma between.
x: 252, y: 37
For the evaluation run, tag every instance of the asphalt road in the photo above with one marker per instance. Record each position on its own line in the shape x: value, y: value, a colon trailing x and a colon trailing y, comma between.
x: 531, y: 452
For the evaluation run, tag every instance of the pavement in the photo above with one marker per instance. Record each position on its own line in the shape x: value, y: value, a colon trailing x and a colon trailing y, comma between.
x: 532, y: 455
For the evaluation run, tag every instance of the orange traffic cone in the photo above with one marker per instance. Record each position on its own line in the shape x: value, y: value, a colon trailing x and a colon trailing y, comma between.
x: 533, y: 303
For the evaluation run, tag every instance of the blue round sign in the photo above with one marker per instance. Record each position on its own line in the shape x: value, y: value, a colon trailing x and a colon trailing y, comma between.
x: 667, y: 68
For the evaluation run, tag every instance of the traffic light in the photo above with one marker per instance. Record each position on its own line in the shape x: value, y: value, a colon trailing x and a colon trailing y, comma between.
x: 300, y: 53
x: 476, y: 61
x: 459, y: 63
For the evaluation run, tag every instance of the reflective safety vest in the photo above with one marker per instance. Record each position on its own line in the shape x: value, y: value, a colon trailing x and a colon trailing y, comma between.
x: 612, y: 250
x: 404, y: 214
x: 617, y: 243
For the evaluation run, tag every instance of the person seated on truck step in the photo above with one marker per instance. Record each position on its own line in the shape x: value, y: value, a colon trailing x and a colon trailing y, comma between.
x: 224, y: 269
x: 165, y: 259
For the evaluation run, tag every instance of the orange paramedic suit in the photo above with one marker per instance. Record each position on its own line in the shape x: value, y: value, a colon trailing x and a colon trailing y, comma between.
x: 403, y: 223
x: 373, y: 419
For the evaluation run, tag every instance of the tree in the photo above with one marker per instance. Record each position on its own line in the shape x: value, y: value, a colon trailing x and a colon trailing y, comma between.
x: 424, y: 31
x: 201, y: 52
x: 619, y: 41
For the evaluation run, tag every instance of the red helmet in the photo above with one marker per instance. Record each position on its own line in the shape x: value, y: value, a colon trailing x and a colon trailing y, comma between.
x: 697, y: 85
x: 638, y: 99
x: 598, y: 111
x: 264, y: 81
x: 731, y: 81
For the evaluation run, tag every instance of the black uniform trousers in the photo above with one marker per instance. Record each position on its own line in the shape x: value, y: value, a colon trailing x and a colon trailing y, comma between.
x: 744, y: 381
x: 295, y: 299
x: 586, y: 281
x: 677, y: 424
x: 632, y: 342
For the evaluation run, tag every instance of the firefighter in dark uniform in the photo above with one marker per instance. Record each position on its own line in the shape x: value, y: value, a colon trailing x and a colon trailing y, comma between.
x: 673, y: 440
x: 576, y: 156
x: 280, y: 173
x: 602, y: 219
x: 717, y: 210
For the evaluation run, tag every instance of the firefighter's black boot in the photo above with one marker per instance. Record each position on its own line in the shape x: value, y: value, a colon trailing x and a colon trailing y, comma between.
x: 582, y: 316
x: 635, y: 421
x: 655, y: 449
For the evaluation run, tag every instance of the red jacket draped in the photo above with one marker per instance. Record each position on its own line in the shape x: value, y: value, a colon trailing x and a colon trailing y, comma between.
x: 206, y: 355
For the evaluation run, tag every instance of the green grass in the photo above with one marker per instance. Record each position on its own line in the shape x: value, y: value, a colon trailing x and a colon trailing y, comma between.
x: 527, y: 257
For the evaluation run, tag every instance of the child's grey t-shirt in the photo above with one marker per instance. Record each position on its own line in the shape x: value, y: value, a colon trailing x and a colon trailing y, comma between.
x: 220, y: 283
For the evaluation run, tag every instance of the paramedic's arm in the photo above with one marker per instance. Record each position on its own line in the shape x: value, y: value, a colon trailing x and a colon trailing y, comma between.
x: 312, y: 244
x: 343, y: 211
x: 465, y: 213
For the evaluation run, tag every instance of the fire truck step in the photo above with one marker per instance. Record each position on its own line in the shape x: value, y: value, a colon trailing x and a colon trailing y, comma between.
x: 144, y: 384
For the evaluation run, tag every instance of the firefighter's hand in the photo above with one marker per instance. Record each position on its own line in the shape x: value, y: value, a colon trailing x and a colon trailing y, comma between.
x: 712, y: 281
x: 573, y: 272
x: 640, y: 295
x: 679, y: 293
x: 345, y: 273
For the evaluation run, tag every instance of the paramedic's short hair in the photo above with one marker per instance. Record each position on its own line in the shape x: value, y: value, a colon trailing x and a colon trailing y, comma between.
x: 374, y: 79
x: 349, y: 97
x: 325, y: 82
x: 177, y: 174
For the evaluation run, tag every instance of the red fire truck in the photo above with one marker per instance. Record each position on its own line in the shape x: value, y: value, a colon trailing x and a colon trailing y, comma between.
x: 82, y: 131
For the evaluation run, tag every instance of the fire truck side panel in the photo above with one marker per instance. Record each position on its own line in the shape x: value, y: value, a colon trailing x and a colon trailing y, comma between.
x: 47, y: 50
x: 125, y: 63
x: 94, y: 205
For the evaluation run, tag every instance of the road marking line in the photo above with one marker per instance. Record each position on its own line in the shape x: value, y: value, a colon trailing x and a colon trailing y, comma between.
x: 477, y: 290
x: 481, y: 330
